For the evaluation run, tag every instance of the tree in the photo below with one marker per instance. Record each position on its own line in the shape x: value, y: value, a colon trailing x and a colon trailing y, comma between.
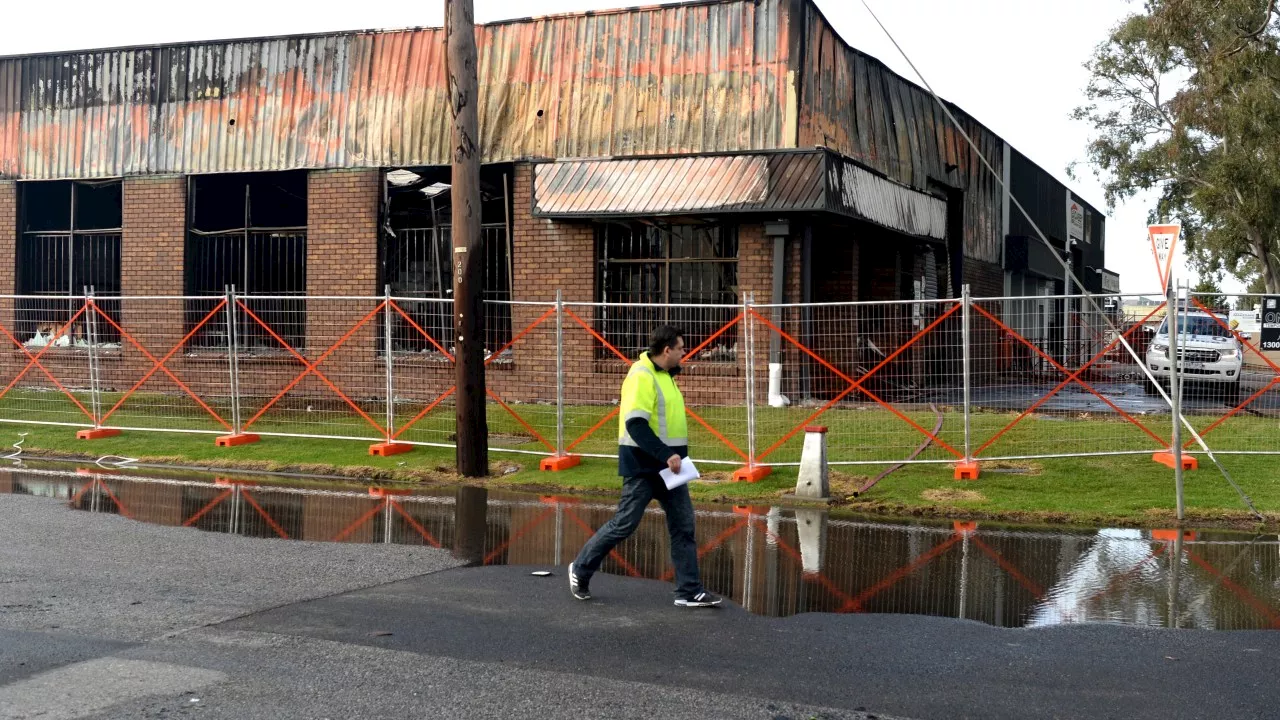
x: 1184, y: 99
x: 1208, y: 285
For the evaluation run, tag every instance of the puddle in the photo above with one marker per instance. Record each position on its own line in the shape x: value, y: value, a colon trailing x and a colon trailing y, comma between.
x: 771, y: 560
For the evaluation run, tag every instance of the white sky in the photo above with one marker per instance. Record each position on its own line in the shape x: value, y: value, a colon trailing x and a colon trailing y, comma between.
x: 1015, y: 65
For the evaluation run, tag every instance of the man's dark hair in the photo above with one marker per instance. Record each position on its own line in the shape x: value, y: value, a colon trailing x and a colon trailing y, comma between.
x: 662, y: 338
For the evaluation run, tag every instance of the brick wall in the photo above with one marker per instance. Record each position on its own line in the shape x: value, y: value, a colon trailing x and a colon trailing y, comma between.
x: 152, y: 240
x: 342, y: 232
x: 9, y: 360
x: 8, y: 237
x: 154, y: 234
x: 342, y: 260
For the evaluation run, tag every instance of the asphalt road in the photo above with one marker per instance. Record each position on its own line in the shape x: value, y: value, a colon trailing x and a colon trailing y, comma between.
x: 101, y: 617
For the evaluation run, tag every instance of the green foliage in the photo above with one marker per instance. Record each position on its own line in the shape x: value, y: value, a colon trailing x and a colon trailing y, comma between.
x: 1184, y: 99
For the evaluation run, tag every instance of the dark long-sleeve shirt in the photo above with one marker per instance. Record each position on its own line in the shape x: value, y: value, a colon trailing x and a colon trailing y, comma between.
x: 652, y: 454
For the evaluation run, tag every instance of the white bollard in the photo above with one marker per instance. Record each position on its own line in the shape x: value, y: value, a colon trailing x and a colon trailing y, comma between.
x: 811, y: 527
x: 776, y: 398
x: 813, y: 482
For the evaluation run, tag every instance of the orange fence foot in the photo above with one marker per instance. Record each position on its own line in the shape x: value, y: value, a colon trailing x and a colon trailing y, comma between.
x: 236, y: 440
x: 966, y: 471
x: 560, y: 462
x: 752, y: 473
x: 1166, y: 458
x: 96, y: 434
x: 1172, y: 535
x: 388, y: 449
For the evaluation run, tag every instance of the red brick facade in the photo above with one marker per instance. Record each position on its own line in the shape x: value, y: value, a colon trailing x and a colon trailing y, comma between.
x: 154, y: 235
x: 8, y: 234
x: 342, y: 260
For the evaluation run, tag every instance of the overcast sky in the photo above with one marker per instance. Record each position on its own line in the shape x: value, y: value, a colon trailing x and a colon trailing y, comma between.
x: 1015, y: 65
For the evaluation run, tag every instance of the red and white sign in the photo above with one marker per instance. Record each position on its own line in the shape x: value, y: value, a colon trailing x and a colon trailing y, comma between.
x: 1164, y: 245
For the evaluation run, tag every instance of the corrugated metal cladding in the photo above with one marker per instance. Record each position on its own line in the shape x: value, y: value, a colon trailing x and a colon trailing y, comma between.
x: 862, y: 193
x: 1043, y: 197
x: 659, y: 80
x: 672, y: 186
x: 853, y: 104
x: 795, y: 181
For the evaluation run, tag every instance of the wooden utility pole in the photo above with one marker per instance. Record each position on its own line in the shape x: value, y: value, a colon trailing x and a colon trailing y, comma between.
x: 468, y: 252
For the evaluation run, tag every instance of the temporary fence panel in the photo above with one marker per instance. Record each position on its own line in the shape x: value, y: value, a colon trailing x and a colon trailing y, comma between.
x: 1231, y: 393
x: 45, y: 367
x: 329, y: 382
x: 888, y: 379
x: 151, y: 376
x: 1042, y: 388
x: 521, y: 374
x: 602, y: 340
x: 885, y: 379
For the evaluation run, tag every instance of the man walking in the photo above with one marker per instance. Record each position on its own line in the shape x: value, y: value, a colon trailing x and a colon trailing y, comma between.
x: 653, y: 434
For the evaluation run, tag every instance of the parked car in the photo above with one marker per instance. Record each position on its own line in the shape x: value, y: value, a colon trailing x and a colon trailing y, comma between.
x: 1211, y: 355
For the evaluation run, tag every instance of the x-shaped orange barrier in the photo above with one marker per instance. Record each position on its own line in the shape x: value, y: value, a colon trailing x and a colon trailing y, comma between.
x: 388, y: 502
x: 858, y: 384
x: 159, y: 365
x: 1072, y: 377
x: 1238, y: 590
x: 244, y: 493
x: 97, y: 483
x: 493, y: 356
x: 313, y: 368
x: 1249, y: 400
x: 691, y: 355
x: 33, y: 361
x: 553, y: 504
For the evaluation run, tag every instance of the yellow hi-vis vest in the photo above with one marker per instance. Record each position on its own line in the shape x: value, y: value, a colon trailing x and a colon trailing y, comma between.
x: 652, y: 394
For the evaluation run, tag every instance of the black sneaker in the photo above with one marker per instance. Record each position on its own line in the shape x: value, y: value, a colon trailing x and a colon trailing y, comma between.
x: 702, y: 599
x: 577, y: 585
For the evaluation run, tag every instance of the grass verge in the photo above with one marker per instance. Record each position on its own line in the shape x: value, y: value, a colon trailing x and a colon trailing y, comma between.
x: 1112, y: 491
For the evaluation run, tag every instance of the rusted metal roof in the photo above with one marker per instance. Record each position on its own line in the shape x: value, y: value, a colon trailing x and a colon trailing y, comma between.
x: 795, y: 181
x: 679, y: 185
x: 657, y: 80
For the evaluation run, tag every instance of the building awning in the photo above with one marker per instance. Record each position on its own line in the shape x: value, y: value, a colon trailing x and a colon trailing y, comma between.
x: 777, y: 182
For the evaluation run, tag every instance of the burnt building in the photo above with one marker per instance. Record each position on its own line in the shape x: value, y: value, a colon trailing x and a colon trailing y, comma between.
x: 693, y: 154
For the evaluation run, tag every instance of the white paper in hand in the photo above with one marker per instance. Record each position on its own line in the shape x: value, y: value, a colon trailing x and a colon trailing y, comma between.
x: 687, y: 472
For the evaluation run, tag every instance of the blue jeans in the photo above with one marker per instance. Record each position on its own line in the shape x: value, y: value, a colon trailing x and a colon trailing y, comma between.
x: 636, y: 494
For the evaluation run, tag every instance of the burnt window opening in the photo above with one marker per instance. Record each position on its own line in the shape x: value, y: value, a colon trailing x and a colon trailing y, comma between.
x: 248, y: 231
x: 651, y: 265
x: 69, y: 242
x: 416, y: 250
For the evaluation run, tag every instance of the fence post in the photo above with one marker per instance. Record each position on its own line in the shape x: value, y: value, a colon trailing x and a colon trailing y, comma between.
x: 237, y: 436
x: 95, y: 387
x: 562, y: 460
x: 968, y: 468
x: 751, y: 472
x: 391, y: 397
x: 389, y: 446
x: 1175, y: 390
x: 559, y: 373
x: 97, y: 432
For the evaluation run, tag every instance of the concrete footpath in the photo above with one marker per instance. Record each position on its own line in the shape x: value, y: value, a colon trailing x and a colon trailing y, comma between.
x: 102, y: 617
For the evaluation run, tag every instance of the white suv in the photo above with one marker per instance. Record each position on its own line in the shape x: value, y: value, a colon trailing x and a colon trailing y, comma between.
x: 1210, y: 353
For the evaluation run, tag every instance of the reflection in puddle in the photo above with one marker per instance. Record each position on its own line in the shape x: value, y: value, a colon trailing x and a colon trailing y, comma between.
x: 772, y: 561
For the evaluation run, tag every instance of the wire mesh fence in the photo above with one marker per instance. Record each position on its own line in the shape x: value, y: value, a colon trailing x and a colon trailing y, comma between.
x: 1231, y: 381
x: 1036, y: 376
x: 927, y: 381
x: 886, y: 379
